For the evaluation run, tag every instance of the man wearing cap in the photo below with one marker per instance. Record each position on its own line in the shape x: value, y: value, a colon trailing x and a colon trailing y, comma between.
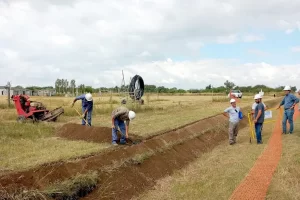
x: 259, y: 117
x: 233, y: 113
x: 289, y: 102
x: 120, y: 118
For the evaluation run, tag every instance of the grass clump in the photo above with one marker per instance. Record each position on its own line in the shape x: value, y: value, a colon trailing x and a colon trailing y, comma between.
x: 140, y: 158
x: 21, y: 194
x: 73, y: 188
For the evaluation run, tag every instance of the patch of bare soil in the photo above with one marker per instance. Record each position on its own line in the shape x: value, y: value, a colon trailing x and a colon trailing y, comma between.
x: 89, y: 133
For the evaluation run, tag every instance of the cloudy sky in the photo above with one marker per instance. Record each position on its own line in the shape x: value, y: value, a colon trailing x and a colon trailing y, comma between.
x: 183, y: 44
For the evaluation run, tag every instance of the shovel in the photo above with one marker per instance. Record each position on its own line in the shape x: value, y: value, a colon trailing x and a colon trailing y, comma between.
x: 130, y: 140
x: 80, y: 117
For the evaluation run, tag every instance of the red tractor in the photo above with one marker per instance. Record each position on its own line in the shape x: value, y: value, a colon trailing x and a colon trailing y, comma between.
x: 34, y: 110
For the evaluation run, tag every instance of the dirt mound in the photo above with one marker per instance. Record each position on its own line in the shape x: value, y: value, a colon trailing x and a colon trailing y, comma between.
x: 88, y: 133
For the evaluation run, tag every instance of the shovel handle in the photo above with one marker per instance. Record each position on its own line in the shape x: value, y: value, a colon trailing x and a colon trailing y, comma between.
x: 80, y: 115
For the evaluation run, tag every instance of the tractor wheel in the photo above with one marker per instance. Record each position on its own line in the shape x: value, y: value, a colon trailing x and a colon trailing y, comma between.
x: 21, y: 119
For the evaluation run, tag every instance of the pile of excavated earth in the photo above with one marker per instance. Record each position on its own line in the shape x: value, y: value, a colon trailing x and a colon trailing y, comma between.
x: 127, y: 170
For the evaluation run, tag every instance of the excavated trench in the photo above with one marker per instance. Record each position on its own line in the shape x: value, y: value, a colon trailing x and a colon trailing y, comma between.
x: 129, y: 170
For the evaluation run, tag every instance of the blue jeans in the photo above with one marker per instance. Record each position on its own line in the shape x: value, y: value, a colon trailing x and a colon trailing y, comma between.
x: 258, y: 127
x: 121, y: 125
x: 288, y: 115
x: 87, y: 117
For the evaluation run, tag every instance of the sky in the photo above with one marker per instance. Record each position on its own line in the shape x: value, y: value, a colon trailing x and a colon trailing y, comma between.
x: 184, y: 44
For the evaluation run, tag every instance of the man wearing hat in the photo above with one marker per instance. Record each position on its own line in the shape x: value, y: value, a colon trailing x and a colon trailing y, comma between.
x: 233, y: 113
x: 259, y: 117
x: 289, y: 102
x: 121, y: 117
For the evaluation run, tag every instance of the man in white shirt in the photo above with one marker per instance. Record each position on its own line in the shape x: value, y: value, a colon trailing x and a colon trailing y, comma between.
x: 233, y: 113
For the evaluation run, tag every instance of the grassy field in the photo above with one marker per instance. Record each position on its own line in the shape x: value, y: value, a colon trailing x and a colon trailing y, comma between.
x: 27, y: 145
x: 214, y: 175
x: 286, y: 180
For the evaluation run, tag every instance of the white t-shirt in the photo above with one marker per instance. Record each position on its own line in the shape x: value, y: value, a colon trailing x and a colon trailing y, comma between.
x: 233, y: 114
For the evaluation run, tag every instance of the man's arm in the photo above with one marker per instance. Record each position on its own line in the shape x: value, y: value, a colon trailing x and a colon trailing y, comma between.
x: 127, y: 128
x: 225, y: 112
x: 296, y: 100
x: 282, y: 102
x: 113, y: 122
x: 78, y: 98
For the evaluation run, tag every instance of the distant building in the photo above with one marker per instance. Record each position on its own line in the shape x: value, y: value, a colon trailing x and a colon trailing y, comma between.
x: 46, y: 92
x: 15, y: 91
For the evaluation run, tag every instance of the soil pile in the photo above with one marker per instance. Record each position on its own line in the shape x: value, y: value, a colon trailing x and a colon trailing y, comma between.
x: 88, y: 133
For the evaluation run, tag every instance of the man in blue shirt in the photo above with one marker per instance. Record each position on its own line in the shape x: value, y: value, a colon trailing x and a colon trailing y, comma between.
x: 87, y: 107
x: 259, y: 117
x: 289, y: 102
x: 233, y: 113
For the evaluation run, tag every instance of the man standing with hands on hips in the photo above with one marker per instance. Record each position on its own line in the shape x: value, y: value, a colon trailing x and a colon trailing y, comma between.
x: 289, y: 102
x: 259, y: 117
x: 234, y: 114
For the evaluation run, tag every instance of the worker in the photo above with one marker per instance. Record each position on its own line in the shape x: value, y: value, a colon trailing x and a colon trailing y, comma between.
x: 257, y: 96
x: 233, y: 113
x: 255, y: 103
x: 87, y: 107
x: 259, y: 117
x: 121, y: 117
x: 289, y: 102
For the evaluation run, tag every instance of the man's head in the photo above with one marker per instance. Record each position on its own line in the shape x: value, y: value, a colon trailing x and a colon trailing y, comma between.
x: 287, y: 89
x: 233, y: 102
x: 88, y: 97
x: 257, y: 98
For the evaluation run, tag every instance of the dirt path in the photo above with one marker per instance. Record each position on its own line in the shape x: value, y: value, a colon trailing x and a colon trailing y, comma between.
x: 257, y: 182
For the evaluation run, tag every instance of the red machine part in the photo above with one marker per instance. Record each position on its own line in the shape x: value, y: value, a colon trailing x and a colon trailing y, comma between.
x: 24, y: 110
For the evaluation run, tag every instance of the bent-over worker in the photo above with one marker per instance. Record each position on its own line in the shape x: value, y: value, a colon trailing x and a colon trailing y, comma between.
x: 87, y: 107
x: 121, y: 117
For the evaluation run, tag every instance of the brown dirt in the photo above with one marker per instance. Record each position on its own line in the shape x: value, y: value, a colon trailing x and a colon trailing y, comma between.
x: 182, y: 146
x: 89, y: 133
x: 256, y: 183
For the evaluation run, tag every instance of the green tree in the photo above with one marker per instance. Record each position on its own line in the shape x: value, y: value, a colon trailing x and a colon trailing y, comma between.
x: 229, y: 85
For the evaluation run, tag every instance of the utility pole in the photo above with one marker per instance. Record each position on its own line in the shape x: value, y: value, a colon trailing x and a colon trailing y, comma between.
x: 8, y: 86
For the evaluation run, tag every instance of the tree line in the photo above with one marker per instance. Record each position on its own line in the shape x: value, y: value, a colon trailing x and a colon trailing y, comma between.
x: 63, y: 86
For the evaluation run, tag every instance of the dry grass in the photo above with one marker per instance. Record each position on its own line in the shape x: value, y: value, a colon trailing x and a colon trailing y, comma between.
x: 214, y: 175
x: 286, y: 180
x: 27, y: 145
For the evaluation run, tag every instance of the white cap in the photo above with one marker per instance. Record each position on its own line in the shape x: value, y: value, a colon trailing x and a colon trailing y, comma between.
x: 88, y: 97
x: 286, y: 88
x: 257, y: 96
x: 232, y: 100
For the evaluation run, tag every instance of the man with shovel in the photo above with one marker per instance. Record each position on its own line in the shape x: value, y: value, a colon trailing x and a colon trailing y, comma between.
x: 120, y: 118
x: 87, y: 107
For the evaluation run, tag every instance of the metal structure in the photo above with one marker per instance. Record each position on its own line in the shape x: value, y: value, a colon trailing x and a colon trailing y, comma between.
x: 135, y: 90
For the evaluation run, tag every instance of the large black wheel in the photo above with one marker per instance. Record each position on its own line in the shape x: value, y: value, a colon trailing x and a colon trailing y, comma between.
x: 136, y: 87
